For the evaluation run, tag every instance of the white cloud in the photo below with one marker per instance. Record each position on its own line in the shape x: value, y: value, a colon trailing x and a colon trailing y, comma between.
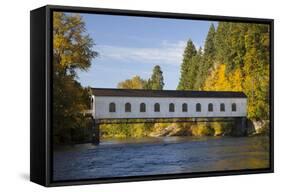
x: 166, y: 53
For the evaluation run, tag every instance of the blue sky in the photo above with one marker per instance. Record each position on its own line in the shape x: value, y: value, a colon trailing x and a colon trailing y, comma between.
x: 130, y: 46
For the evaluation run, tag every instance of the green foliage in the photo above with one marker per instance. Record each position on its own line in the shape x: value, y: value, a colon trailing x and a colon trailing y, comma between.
x: 197, y: 70
x: 202, y: 129
x: 72, y: 50
x: 235, y: 58
x: 242, y: 63
x: 230, y: 44
x: 222, y: 128
x: 156, y: 81
x: 209, y: 47
x: 195, y: 65
x: 222, y: 42
x: 256, y: 70
x: 207, y: 59
x: 126, y: 130
x: 189, y: 67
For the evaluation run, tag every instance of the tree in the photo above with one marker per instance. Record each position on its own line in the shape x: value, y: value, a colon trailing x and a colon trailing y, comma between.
x: 187, y: 67
x: 217, y: 80
x: 72, y: 50
x: 135, y: 83
x: 198, y: 73
x: 207, y: 59
x: 222, y: 42
x: 193, y: 73
x: 209, y: 47
x: 241, y: 63
x: 256, y: 70
x: 156, y: 81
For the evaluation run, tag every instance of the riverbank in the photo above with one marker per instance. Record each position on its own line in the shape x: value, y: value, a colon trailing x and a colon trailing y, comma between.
x: 183, y: 129
x: 140, y: 130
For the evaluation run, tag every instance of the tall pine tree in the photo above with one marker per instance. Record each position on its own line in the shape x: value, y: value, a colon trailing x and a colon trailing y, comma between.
x: 207, y: 60
x: 156, y: 81
x: 187, y: 67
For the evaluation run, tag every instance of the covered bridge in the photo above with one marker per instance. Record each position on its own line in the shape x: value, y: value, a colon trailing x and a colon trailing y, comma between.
x: 117, y: 104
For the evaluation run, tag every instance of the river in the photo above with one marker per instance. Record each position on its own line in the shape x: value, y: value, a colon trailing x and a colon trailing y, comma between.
x: 154, y: 156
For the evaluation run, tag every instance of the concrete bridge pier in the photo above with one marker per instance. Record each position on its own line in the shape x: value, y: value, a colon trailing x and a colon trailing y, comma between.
x: 244, y: 125
x: 95, y: 132
x: 240, y: 127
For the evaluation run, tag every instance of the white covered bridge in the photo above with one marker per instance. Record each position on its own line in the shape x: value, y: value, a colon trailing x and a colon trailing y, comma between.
x: 108, y: 105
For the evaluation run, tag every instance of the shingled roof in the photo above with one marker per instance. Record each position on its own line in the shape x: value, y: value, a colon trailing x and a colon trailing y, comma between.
x: 165, y: 93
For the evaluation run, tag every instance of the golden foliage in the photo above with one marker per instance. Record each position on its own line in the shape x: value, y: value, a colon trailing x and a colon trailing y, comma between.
x: 135, y: 83
x: 217, y: 80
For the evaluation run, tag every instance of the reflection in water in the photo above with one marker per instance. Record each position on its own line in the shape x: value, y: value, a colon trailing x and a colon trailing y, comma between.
x: 167, y: 155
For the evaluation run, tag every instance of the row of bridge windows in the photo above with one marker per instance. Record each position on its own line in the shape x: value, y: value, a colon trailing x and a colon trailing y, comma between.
x: 128, y: 107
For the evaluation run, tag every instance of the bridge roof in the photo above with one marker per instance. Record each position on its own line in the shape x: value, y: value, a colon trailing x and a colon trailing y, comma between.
x: 165, y: 93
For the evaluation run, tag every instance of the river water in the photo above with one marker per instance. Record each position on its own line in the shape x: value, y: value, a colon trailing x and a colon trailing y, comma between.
x: 154, y: 156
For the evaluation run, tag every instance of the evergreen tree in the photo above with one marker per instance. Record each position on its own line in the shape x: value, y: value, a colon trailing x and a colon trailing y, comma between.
x: 256, y: 70
x: 207, y: 60
x: 198, y: 78
x: 209, y: 47
x: 236, y: 44
x: 242, y: 63
x: 156, y: 81
x: 187, y: 67
x: 222, y: 42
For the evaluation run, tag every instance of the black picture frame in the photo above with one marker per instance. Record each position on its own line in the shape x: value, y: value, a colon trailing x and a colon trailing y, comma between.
x: 41, y: 93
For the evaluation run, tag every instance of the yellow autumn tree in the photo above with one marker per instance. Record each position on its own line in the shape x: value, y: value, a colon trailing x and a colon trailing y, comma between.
x: 235, y: 80
x: 217, y: 81
x: 134, y: 83
x: 72, y: 51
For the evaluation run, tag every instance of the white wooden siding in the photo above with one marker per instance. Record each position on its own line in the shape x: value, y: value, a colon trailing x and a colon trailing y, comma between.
x: 101, y: 107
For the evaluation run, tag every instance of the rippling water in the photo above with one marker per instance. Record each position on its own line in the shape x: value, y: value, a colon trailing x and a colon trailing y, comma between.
x: 153, y: 156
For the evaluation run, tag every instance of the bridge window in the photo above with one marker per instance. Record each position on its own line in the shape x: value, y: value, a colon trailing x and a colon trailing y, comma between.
x: 142, y: 107
x: 198, y: 107
x: 171, y: 107
x: 210, y: 107
x: 222, y: 107
x: 156, y: 107
x: 112, y: 107
x: 128, y: 107
x: 233, y: 107
x: 184, y: 107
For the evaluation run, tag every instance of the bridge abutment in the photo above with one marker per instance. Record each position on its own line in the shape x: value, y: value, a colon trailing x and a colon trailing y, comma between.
x: 95, y: 132
x: 240, y: 127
